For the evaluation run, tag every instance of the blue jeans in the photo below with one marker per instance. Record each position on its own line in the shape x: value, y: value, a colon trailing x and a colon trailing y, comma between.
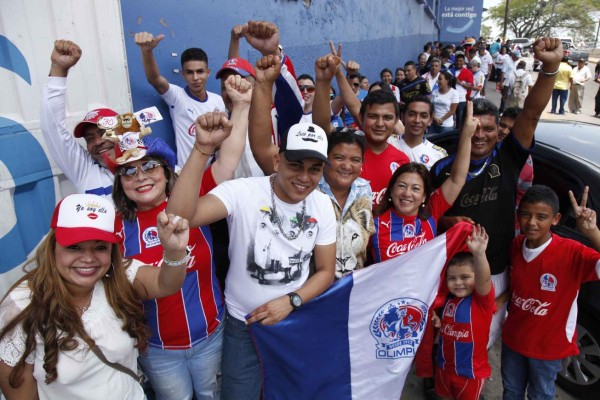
x: 520, y: 373
x: 179, y: 374
x: 562, y: 94
x: 242, y: 375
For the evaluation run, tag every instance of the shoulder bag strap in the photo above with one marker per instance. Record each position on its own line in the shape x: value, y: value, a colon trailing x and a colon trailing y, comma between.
x: 138, y: 378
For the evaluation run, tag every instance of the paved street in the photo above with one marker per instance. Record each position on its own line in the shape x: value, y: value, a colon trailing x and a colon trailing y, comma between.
x: 587, y: 113
x: 493, y: 388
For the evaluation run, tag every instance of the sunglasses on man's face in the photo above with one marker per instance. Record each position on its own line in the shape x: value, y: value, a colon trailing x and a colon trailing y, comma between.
x: 306, y: 88
x: 356, y: 84
x: 148, y: 167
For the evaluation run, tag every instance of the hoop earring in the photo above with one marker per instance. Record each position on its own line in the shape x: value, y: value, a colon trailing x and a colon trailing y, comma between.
x: 112, y: 266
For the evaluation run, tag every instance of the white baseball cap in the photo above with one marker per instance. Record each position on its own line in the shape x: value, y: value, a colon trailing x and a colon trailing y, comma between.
x: 81, y: 217
x: 305, y: 140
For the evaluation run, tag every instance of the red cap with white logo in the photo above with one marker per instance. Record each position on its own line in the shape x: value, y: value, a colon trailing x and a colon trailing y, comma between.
x: 239, y: 66
x: 92, y: 117
x: 81, y: 217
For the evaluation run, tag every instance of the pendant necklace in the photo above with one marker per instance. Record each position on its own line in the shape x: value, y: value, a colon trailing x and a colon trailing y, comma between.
x: 475, y: 174
x: 89, y: 303
x: 278, y: 220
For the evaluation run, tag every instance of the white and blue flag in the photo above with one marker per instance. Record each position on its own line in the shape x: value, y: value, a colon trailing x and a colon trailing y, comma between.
x: 358, y: 339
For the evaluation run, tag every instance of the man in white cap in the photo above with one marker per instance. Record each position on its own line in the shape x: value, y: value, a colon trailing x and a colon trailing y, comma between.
x: 85, y: 169
x: 276, y: 224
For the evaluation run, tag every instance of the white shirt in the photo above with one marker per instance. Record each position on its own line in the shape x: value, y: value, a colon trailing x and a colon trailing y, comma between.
x: 75, y: 162
x: 431, y: 80
x: 485, y: 62
x: 442, y: 104
x: 264, y: 264
x: 462, y: 92
x: 501, y: 61
x: 184, y: 109
x: 580, y: 76
x: 81, y: 374
x: 478, y: 80
x: 425, y: 153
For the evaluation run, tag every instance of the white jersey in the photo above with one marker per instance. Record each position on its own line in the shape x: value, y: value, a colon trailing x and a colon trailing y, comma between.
x: 264, y: 264
x: 75, y: 162
x: 185, y: 108
x: 425, y: 153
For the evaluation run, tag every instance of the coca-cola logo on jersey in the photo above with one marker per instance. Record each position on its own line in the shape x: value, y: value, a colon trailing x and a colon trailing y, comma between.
x: 192, y: 130
x: 448, y: 330
x: 378, y: 196
x: 396, y: 249
x: 487, y: 194
x: 534, y: 306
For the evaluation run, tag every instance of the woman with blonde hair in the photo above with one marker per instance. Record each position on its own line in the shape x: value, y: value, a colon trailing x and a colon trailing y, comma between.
x: 72, y: 326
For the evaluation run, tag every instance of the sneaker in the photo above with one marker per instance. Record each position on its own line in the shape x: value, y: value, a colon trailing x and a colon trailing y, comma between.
x: 561, y: 113
x: 597, y: 115
x: 552, y: 112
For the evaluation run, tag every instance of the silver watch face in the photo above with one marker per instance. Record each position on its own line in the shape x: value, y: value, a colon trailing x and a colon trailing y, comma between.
x: 296, y: 300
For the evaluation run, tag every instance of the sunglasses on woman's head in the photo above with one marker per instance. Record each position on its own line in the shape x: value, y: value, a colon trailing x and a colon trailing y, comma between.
x: 147, y: 168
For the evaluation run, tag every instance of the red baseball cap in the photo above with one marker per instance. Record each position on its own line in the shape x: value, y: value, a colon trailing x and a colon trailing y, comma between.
x: 81, y: 217
x: 238, y: 65
x: 92, y: 117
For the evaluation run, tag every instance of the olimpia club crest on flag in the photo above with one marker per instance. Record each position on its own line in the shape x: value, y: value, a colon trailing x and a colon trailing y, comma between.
x: 398, y: 327
x: 358, y: 339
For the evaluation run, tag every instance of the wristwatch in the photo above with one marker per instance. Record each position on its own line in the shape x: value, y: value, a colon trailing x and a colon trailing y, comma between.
x: 295, y: 300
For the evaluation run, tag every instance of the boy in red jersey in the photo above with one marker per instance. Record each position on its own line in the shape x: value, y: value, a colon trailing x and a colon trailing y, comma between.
x: 546, y: 274
x: 465, y: 323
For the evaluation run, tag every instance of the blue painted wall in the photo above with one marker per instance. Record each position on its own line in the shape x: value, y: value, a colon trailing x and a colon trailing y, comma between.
x: 377, y: 34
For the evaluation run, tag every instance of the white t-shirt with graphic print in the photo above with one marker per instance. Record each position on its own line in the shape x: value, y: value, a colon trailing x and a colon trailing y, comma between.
x: 265, y: 265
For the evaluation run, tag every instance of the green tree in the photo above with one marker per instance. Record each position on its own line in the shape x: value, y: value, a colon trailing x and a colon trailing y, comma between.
x: 536, y: 18
x: 486, y: 31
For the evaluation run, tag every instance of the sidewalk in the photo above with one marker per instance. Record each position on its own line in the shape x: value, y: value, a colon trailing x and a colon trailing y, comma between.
x: 587, y: 112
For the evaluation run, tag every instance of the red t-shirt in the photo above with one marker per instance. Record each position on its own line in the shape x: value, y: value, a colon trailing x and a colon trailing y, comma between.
x: 378, y: 169
x: 464, y: 335
x: 542, y: 311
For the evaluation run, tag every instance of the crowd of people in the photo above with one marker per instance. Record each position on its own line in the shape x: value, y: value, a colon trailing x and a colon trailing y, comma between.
x: 312, y: 184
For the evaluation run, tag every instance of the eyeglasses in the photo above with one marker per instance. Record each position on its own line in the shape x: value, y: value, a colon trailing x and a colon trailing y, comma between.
x: 308, y: 89
x: 148, y: 167
x: 356, y: 84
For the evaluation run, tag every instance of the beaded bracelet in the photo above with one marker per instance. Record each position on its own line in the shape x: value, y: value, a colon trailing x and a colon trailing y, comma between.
x: 178, y: 263
x: 550, y: 73
x: 197, y: 147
